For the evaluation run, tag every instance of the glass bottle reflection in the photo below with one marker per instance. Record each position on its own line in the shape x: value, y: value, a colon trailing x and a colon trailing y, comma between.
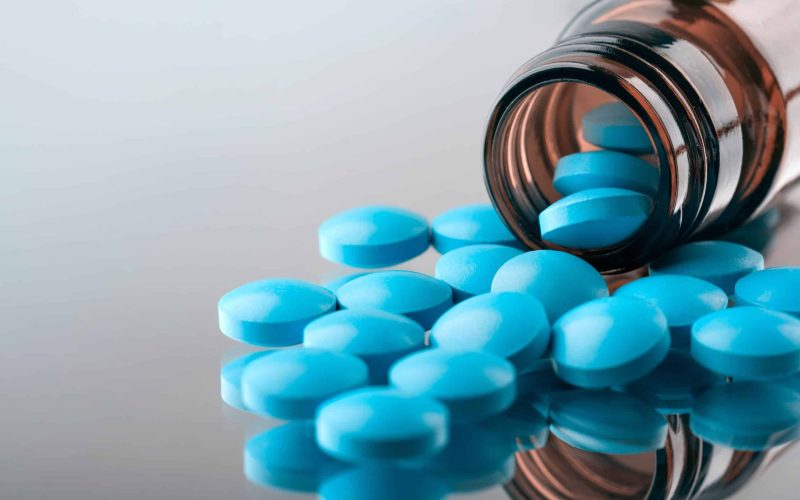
x: 680, y: 432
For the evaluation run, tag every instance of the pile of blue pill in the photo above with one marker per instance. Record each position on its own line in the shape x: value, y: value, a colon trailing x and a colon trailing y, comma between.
x: 398, y: 372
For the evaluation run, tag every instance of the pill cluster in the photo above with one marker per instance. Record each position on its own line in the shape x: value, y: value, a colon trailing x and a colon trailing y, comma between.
x: 519, y: 345
x: 608, y: 194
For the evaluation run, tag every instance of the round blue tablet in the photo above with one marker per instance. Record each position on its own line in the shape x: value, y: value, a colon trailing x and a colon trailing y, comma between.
x: 291, y: 384
x: 747, y: 415
x: 606, y: 421
x: 674, y: 384
x: 470, y: 270
x: 604, y: 169
x: 231, y: 378
x: 473, y: 385
x: 595, y: 218
x: 682, y: 299
x: 272, y: 312
x: 559, y: 280
x: 373, y: 236
x: 614, y: 126
x: 719, y: 262
x: 287, y: 457
x: 377, y: 337
x: 384, y: 482
x: 777, y: 288
x: 748, y: 343
x: 609, y: 341
x: 509, y: 325
x: 376, y: 424
x: 476, y: 458
x: 420, y: 297
x: 470, y: 225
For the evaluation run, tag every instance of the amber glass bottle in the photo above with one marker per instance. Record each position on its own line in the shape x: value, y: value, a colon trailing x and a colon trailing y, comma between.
x: 716, y: 84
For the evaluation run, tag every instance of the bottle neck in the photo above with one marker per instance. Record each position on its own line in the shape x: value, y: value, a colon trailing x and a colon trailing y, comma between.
x: 670, y: 85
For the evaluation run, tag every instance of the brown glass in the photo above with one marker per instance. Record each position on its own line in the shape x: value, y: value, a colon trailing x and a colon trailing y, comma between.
x: 686, y: 467
x: 715, y: 83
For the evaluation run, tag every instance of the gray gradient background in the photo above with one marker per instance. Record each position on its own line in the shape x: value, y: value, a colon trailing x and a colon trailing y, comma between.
x: 155, y: 154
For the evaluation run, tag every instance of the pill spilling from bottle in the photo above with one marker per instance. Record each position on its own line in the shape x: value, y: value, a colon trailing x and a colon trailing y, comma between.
x: 521, y: 347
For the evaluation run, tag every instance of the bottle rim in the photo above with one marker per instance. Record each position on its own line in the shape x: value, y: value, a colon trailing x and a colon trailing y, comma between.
x: 676, y: 117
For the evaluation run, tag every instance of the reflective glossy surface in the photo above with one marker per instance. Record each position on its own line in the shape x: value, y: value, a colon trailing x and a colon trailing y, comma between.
x: 679, y: 431
x: 734, y: 425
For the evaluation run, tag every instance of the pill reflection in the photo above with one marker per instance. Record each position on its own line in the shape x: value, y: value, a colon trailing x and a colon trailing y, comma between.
x: 287, y: 457
x: 605, y: 421
x: 747, y: 415
x: 385, y: 482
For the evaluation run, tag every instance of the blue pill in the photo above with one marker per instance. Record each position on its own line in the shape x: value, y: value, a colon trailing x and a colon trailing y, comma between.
x: 273, y: 312
x: 719, y: 262
x: 776, y: 288
x: 231, y: 379
x: 470, y: 270
x: 476, y: 457
x: 335, y: 284
x: 614, y: 126
x: 748, y: 342
x: 377, y: 337
x: 291, y: 384
x: 473, y: 385
x: 559, y: 280
x: 609, y: 341
x: 373, y: 236
x: 595, y: 218
x: 470, y: 225
x: 606, y: 421
x: 287, y: 457
x: 682, y: 299
x: 673, y: 385
x: 383, y: 482
x: 382, y: 424
x: 420, y: 297
x: 510, y: 325
x: 604, y: 169
x: 747, y: 415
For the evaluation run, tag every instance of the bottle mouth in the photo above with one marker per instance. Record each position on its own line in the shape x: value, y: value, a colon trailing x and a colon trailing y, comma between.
x: 537, y: 121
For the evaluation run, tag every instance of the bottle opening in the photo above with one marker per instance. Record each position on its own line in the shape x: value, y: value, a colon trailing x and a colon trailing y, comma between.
x: 581, y: 170
x: 590, y: 157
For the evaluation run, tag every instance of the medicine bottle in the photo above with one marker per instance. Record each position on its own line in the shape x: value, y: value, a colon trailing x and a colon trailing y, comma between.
x: 715, y: 84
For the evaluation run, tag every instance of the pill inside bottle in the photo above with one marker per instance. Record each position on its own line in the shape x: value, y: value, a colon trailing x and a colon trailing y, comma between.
x: 596, y: 178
